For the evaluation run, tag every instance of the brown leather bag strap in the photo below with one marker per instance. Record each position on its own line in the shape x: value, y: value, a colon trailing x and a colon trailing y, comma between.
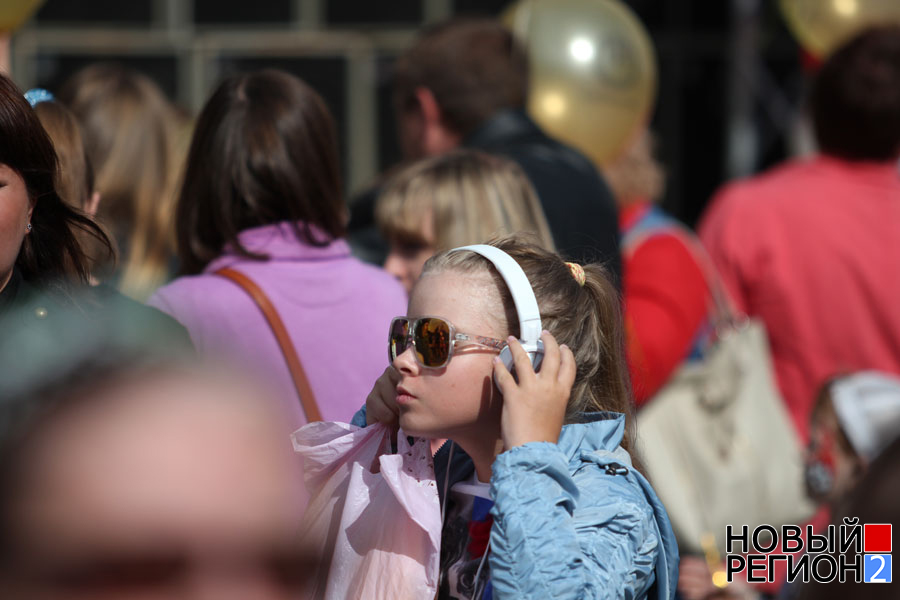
x: 304, y: 391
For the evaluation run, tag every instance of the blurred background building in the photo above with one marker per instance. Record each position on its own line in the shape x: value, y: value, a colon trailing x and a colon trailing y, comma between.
x: 730, y: 89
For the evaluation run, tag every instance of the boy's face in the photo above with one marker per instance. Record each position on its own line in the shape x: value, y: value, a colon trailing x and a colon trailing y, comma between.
x: 408, y: 256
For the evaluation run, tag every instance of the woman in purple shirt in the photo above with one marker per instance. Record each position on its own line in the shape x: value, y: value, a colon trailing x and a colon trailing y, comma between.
x: 262, y: 196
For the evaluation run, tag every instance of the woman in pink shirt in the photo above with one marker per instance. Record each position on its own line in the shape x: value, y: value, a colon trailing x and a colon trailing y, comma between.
x: 262, y: 196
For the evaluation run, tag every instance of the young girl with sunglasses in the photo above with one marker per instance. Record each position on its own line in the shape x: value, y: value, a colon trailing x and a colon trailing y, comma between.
x: 540, y: 498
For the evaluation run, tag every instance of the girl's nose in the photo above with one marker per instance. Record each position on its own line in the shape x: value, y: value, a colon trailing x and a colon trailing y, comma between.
x: 406, y: 361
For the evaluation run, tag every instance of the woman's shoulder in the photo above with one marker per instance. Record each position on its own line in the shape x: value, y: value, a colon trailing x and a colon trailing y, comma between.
x: 111, y: 305
x: 610, y: 479
x: 604, y: 471
x: 186, y: 288
x: 374, y: 273
x: 621, y: 525
x: 29, y: 305
x: 632, y: 526
x: 45, y: 313
x: 196, y: 300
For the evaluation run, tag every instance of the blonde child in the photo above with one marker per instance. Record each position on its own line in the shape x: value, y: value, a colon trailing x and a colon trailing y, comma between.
x: 458, y: 198
x: 540, y: 498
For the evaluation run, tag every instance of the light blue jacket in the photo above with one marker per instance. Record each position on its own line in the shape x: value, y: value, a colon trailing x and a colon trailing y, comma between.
x: 573, y: 520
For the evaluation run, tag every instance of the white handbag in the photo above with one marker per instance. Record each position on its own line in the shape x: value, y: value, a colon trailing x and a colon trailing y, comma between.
x: 717, y: 441
x: 719, y: 447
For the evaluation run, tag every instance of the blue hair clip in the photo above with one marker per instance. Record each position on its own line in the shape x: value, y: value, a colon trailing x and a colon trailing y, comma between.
x: 37, y: 95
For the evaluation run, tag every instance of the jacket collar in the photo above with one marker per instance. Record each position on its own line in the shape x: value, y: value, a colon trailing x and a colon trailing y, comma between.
x: 593, y: 431
x: 503, y: 126
x: 279, y: 242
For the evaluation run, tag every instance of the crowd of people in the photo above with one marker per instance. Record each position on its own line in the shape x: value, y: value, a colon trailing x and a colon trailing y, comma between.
x: 177, y: 296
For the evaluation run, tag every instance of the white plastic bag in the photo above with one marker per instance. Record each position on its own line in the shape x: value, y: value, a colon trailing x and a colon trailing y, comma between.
x: 376, y: 515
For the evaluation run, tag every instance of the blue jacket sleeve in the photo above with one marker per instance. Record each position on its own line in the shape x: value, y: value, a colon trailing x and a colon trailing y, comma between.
x: 568, y: 533
x: 359, y: 419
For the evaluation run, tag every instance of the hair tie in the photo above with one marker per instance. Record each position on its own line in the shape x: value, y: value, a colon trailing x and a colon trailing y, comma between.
x: 37, y: 95
x: 577, y: 272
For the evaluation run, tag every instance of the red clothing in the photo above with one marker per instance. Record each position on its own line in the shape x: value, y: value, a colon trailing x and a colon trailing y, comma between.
x: 665, y: 303
x: 813, y: 249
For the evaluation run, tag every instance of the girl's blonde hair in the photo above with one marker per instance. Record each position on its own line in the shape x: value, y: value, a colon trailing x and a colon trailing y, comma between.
x: 75, y: 179
x: 469, y: 196
x: 587, y: 318
x: 136, y: 141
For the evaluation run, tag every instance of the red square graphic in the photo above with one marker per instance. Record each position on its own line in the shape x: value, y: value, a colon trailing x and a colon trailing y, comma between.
x: 877, y: 537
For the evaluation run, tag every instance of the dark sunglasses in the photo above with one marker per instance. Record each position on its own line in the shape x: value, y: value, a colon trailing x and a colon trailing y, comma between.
x: 433, y: 340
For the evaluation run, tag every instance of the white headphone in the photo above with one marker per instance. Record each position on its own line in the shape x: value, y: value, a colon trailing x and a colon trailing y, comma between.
x: 524, y: 300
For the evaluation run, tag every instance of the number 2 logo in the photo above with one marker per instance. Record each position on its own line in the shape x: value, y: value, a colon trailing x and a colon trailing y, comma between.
x: 881, y: 565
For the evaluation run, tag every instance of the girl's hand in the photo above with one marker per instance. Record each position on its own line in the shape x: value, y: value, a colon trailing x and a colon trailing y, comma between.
x: 534, y: 408
x: 381, y: 403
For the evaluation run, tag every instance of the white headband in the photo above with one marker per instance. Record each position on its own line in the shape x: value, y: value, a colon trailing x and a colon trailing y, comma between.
x: 519, y: 287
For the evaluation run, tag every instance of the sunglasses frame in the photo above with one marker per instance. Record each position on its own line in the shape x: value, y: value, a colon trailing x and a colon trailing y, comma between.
x: 455, y: 336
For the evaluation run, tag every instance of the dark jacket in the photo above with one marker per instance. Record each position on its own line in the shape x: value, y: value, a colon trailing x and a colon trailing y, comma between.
x: 45, y: 331
x: 578, y: 204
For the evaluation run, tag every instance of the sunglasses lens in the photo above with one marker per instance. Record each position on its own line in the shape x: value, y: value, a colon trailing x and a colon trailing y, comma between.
x: 398, y: 338
x: 432, y: 341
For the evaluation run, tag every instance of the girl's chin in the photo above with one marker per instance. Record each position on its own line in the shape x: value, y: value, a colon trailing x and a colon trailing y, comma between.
x: 415, y: 428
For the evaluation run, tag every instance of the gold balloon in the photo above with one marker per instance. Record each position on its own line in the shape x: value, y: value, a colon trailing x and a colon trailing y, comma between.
x: 821, y: 25
x: 593, y: 71
x: 15, y: 12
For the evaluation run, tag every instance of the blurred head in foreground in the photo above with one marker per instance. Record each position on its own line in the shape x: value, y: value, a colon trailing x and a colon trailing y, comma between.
x: 134, y: 478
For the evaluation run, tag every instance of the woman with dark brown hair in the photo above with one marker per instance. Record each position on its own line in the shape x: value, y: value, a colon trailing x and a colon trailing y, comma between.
x: 39, y: 250
x: 44, y: 268
x: 75, y: 176
x: 262, y: 196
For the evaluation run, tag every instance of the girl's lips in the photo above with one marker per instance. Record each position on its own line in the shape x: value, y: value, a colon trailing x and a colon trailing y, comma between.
x: 403, y: 396
x: 404, y: 399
